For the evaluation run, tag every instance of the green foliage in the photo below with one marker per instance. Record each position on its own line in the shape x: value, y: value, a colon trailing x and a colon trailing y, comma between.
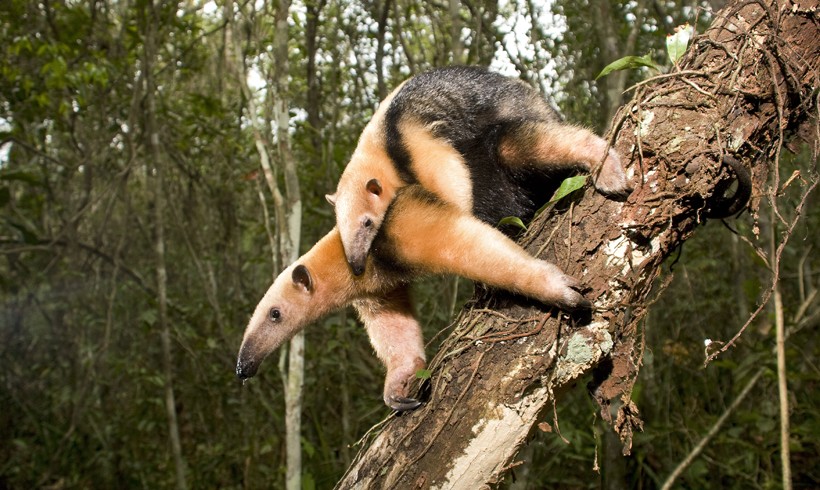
x: 81, y: 385
x: 629, y: 63
x: 513, y: 221
x: 677, y: 42
x: 568, y: 186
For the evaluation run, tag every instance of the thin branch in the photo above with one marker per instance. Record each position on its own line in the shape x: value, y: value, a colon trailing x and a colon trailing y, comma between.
x: 713, y: 431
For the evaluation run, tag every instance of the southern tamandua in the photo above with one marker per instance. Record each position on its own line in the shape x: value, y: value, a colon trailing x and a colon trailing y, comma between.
x: 421, y: 234
x: 482, y: 141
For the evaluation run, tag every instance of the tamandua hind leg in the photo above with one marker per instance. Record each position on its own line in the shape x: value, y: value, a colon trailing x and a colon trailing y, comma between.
x: 438, y: 238
x: 397, y: 339
x: 562, y: 146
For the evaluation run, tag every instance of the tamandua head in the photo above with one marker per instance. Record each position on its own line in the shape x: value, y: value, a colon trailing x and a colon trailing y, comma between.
x: 285, y: 309
x: 361, y: 205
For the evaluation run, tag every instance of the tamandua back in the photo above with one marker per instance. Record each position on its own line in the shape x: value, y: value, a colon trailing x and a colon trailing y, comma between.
x: 486, y: 143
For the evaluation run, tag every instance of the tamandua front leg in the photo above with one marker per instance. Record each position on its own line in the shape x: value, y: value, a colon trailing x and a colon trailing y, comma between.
x: 435, y: 237
x: 563, y: 146
x: 397, y: 339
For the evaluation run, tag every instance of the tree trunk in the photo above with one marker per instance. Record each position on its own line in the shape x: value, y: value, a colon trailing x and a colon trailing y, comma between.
x: 150, y: 21
x: 456, y: 46
x: 743, y: 85
x: 287, y: 210
x: 290, y: 237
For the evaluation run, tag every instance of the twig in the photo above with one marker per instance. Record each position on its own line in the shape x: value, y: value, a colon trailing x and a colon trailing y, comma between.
x: 670, y: 480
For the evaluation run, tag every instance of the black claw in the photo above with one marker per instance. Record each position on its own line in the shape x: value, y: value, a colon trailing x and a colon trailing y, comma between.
x: 584, y: 304
x: 402, y: 404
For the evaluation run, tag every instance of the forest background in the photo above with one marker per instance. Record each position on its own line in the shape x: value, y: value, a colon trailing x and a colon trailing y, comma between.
x: 147, y: 200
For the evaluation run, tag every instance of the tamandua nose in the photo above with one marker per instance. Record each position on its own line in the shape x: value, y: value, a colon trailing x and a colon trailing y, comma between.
x: 357, y: 268
x: 245, y: 370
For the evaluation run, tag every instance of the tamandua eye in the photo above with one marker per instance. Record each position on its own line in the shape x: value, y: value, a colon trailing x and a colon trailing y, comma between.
x: 368, y: 222
x: 274, y: 314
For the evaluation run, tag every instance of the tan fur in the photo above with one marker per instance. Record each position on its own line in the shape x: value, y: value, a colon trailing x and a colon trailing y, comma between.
x: 396, y: 337
x: 445, y: 240
x: 560, y: 146
x: 451, y: 181
x: 426, y: 235
x: 351, y: 199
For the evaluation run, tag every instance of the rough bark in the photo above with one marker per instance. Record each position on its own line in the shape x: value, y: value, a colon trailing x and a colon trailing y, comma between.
x: 742, y: 89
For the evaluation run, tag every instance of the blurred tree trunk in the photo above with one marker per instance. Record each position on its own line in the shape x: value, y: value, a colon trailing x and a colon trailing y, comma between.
x: 610, y: 49
x: 287, y: 207
x: 782, y: 380
x: 744, y: 86
x: 150, y: 21
x: 381, y: 12
x: 290, y: 215
x: 314, y: 117
x: 456, y: 46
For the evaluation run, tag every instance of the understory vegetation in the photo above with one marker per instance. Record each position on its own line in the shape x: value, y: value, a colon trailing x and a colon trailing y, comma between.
x: 129, y: 265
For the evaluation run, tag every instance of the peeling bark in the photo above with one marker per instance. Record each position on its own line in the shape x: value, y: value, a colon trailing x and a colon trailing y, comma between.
x: 744, y: 88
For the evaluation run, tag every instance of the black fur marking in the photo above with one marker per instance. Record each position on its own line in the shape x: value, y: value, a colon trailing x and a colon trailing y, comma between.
x: 396, y: 149
x: 723, y: 207
x: 472, y: 109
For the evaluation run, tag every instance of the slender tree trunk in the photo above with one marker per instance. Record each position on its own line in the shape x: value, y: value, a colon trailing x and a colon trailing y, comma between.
x: 456, y: 46
x: 711, y: 433
x: 290, y: 239
x: 150, y: 21
x: 287, y: 211
x: 313, y: 104
x: 747, y: 81
x: 611, y: 49
x: 383, y: 13
x: 782, y: 376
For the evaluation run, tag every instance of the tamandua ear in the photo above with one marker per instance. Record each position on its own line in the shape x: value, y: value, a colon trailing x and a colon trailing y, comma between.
x: 301, y: 278
x: 374, y: 187
x: 331, y: 198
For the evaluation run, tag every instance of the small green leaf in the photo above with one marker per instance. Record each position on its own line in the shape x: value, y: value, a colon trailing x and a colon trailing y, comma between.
x: 568, y: 186
x: 513, y: 220
x: 149, y: 316
x: 627, y: 63
x: 676, y: 43
x: 423, y: 374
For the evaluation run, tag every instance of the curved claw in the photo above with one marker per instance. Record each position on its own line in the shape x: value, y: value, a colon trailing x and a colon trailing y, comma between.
x: 402, y: 404
x: 579, y: 304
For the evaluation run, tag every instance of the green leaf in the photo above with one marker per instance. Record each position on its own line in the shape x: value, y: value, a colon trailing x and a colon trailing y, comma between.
x: 568, y: 186
x: 149, y: 316
x: 676, y: 43
x: 513, y: 220
x: 423, y: 374
x: 628, y: 63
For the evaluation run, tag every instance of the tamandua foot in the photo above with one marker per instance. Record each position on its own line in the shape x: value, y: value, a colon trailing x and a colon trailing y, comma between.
x: 397, y: 385
x: 563, y: 289
x: 611, y: 179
